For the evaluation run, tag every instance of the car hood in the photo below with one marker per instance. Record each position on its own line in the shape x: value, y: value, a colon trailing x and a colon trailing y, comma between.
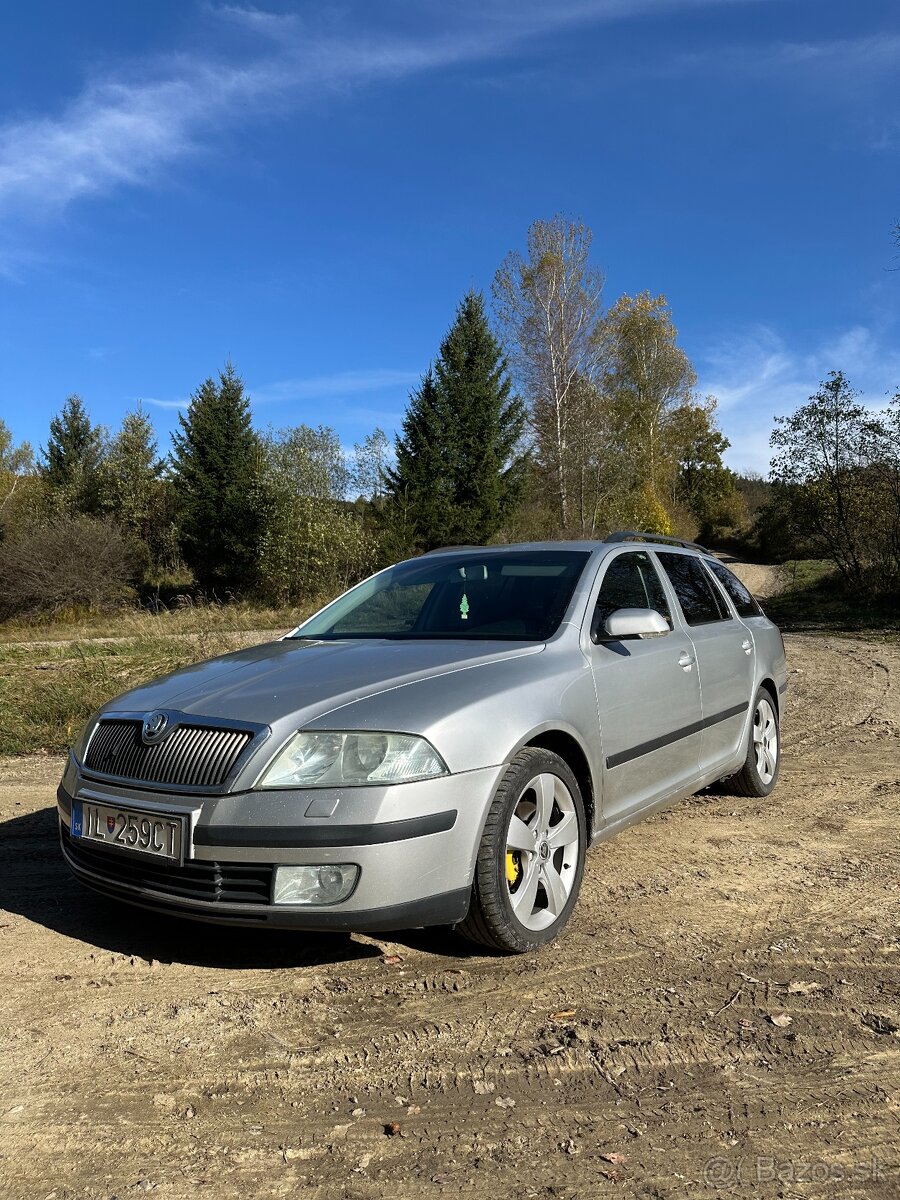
x: 308, y: 678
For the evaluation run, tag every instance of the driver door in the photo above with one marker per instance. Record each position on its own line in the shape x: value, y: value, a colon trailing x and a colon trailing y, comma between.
x: 648, y: 693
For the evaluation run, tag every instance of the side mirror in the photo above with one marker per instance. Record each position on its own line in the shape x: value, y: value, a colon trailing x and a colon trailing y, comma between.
x: 635, y: 623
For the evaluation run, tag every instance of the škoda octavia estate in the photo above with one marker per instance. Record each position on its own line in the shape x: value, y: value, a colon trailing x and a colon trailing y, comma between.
x: 438, y: 746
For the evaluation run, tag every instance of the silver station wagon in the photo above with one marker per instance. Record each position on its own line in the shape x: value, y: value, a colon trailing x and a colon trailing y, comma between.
x: 438, y: 746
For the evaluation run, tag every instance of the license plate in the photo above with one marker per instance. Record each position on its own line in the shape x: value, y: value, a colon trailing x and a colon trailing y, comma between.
x: 160, y: 835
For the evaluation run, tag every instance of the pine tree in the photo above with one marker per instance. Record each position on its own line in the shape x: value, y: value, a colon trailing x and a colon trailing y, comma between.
x: 420, y: 484
x: 459, y: 471
x: 133, y: 490
x: 132, y: 473
x: 73, y: 457
x: 216, y: 465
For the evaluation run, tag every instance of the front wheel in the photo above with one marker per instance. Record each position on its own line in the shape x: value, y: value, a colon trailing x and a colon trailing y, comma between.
x: 759, y: 773
x: 531, y: 858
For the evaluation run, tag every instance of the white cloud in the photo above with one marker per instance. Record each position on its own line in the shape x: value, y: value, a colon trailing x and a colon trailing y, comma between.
x: 126, y: 130
x: 165, y: 403
x: 334, y: 387
x: 114, y: 133
x: 848, y: 56
x: 857, y: 60
x: 756, y: 376
x: 846, y: 78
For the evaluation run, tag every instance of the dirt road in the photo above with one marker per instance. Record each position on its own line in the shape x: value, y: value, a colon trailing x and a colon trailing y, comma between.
x: 763, y: 579
x: 649, y: 1054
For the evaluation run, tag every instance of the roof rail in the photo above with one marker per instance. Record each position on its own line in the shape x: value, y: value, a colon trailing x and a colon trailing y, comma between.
x: 444, y: 549
x: 632, y: 535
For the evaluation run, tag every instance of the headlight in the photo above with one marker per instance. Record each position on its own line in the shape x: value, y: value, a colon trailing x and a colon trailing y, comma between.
x: 325, y: 759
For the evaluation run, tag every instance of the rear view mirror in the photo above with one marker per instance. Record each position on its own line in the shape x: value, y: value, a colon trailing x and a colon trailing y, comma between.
x: 635, y: 623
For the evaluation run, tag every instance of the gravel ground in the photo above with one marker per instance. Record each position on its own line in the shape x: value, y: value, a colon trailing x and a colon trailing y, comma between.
x: 721, y: 1017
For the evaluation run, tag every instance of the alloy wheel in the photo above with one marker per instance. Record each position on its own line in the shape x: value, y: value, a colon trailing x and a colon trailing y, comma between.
x: 765, y: 740
x: 542, y: 845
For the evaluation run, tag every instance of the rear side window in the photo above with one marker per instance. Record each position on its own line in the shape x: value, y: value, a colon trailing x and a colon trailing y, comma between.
x: 631, y: 581
x: 743, y: 601
x: 699, y: 599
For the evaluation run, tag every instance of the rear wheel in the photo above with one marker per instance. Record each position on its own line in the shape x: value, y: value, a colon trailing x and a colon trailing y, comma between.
x: 759, y: 773
x: 531, y: 858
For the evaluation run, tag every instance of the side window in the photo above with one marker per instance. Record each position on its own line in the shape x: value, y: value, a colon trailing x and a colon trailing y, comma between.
x: 740, y: 597
x: 630, y: 581
x: 697, y: 595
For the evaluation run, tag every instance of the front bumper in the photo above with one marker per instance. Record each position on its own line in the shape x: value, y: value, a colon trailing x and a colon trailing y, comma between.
x: 415, y: 845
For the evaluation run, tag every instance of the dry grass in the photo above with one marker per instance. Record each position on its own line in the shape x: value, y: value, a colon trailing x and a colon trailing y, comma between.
x: 139, y: 623
x: 53, y: 677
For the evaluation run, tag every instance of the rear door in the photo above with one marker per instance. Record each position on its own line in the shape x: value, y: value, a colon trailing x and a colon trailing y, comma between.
x: 648, y: 693
x: 725, y: 656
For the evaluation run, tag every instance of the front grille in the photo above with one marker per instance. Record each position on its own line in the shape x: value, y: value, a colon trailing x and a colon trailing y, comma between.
x: 212, y: 882
x: 192, y: 756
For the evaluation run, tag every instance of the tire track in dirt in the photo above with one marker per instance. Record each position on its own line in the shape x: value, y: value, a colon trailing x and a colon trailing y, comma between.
x: 207, y: 1062
x: 842, y: 685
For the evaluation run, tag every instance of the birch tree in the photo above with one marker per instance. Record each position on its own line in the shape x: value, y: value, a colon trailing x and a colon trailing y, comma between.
x: 549, y: 304
x: 16, y: 464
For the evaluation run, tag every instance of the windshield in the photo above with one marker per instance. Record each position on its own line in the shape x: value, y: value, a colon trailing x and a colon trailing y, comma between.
x: 516, y: 595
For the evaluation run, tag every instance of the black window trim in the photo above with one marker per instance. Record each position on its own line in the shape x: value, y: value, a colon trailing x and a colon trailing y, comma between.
x: 603, y: 567
x: 728, y: 614
x: 721, y: 586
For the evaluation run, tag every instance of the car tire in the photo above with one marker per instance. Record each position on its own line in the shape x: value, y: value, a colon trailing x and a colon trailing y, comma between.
x: 523, y: 894
x: 759, y: 774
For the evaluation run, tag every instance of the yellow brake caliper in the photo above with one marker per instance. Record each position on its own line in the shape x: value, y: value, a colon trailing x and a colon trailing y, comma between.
x: 513, y: 867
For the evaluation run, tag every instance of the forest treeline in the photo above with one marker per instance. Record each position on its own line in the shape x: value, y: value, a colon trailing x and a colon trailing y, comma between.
x: 546, y: 413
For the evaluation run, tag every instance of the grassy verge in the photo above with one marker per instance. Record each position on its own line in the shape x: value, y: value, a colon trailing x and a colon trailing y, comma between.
x: 815, y: 599
x: 53, y: 677
x: 141, y: 624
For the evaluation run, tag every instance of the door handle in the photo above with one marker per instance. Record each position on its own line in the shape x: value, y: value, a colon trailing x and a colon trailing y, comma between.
x: 747, y: 646
x: 686, y: 661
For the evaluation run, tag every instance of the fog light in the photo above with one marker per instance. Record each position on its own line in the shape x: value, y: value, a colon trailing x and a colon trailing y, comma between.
x: 328, y: 883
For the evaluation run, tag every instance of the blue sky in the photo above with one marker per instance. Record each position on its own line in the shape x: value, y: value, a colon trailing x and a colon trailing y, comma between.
x: 309, y: 189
